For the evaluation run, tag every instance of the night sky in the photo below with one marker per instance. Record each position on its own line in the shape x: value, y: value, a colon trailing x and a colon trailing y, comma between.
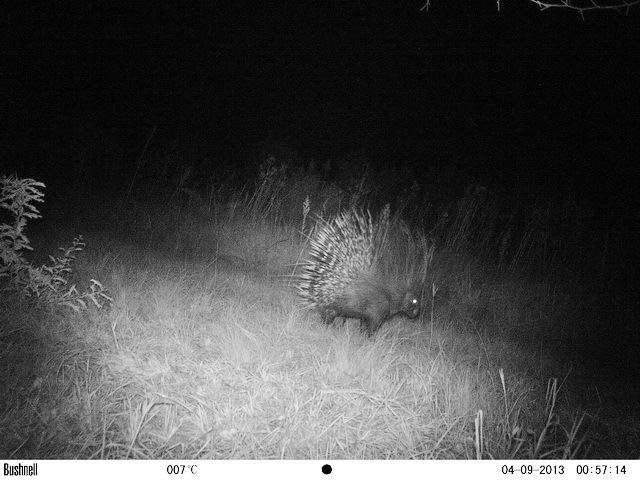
x: 543, y: 101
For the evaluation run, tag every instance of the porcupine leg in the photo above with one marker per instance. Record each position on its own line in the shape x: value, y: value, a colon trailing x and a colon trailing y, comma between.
x: 375, y: 311
x: 367, y: 327
x: 328, y: 315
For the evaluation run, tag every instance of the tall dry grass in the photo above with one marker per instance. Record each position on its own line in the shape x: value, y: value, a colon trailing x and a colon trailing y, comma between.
x: 206, y: 353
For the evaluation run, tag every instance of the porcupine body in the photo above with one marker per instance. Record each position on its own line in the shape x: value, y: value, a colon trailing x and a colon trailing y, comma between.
x: 343, y: 277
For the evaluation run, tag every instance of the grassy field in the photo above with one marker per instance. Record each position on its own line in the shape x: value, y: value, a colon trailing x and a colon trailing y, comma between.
x: 205, y: 351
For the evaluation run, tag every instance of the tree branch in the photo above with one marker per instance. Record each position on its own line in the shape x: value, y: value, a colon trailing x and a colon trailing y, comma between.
x: 582, y: 6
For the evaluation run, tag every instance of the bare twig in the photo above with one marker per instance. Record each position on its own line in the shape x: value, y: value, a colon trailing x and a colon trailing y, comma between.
x: 582, y: 6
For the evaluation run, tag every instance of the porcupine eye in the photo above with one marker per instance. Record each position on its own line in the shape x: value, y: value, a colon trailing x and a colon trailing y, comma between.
x: 412, y: 306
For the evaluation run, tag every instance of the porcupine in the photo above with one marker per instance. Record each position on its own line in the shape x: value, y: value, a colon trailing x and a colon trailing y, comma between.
x: 343, y: 277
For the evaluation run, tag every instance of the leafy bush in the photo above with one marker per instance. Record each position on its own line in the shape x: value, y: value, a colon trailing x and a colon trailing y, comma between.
x: 47, y: 283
